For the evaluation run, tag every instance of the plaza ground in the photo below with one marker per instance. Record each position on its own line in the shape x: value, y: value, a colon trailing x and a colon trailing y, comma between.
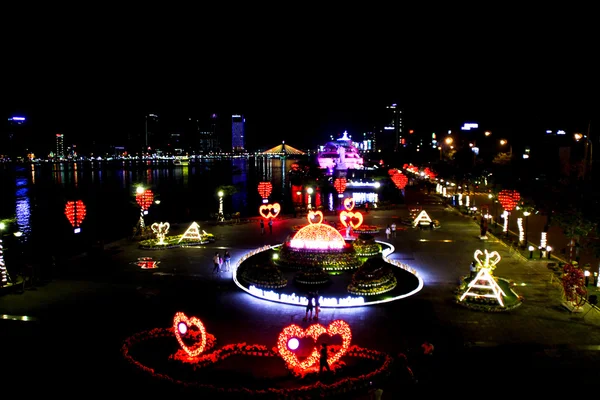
x: 76, y: 323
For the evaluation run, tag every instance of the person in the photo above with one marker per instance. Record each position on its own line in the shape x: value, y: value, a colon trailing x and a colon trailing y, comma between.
x: 227, y: 259
x: 388, y: 231
x: 216, y: 263
x: 317, y: 305
x: 367, y: 207
x: 348, y: 230
x: 271, y: 226
x: 309, y: 306
x: 393, y: 229
x: 262, y: 227
x: 323, y: 361
x: 473, y: 270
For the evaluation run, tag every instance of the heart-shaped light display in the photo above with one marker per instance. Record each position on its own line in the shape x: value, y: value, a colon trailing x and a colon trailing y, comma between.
x: 509, y: 199
x: 160, y: 227
x: 264, y: 189
x: 315, y: 217
x: 486, y: 259
x: 269, y: 210
x: 145, y: 199
x: 340, y: 185
x: 181, y: 327
x: 354, y: 219
x: 349, y: 203
x: 337, y: 327
x: 400, y: 180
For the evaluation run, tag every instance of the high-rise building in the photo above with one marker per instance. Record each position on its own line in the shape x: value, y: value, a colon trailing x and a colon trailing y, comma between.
x: 15, y: 141
x: 60, y: 146
x: 151, y: 139
x: 391, y: 134
x: 237, y: 132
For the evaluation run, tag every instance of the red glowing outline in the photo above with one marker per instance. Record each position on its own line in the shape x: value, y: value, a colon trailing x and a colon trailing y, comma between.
x: 197, y: 349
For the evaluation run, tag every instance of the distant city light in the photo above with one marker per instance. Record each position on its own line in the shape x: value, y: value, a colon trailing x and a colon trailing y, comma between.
x: 16, y: 119
x: 469, y: 125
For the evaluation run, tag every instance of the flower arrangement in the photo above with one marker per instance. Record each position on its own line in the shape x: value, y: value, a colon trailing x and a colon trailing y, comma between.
x: 328, y: 260
x: 341, y: 387
x: 312, y: 276
x: 368, y: 229
x: 263, y: 276
x: 365, y: 245
x: 372, y: 278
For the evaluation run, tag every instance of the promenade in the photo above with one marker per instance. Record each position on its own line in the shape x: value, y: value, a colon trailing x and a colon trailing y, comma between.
x: 75, y: 324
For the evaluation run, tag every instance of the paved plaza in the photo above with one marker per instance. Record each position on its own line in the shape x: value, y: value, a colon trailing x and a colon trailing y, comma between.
x: 76, y: 323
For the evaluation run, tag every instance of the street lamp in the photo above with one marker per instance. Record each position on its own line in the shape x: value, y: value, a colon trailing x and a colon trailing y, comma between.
x: 526, y: 214
x: 310, y: 192
x: 221, y: 216
x: 531, y: 248
x: 587, y: 151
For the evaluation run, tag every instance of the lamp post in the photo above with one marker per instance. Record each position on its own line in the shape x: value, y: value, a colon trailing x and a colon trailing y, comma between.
x: 526, y: 214
x: 531, y: 248
x: 310, y: 192
x: 221, y: 215
x: 3, y: 272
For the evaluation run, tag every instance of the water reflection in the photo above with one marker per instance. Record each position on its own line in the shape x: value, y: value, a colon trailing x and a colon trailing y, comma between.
x: 23, y: 208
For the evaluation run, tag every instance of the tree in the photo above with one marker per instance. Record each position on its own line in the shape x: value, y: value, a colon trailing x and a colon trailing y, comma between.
x: 574, y: 227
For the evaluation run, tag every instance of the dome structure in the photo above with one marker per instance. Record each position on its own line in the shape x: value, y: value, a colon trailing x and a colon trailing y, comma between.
x: 318, y: 237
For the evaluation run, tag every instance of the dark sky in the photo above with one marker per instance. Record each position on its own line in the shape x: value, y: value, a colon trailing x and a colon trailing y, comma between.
x: 301, y: 86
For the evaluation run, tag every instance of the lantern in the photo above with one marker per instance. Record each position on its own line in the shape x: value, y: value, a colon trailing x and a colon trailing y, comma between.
x: 340, y: 185
x: 509, y: 199
x: 75, y: 212
x: 264, y: 190
x: 400, y: 180
x: 145, y: 199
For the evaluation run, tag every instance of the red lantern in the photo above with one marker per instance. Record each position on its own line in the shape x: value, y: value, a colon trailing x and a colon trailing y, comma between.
x: 145, y: 199
x: 509, y: 199
x: 400, y: 180
x: 264, y: 189
x: 340, y: 185
x: 75, y: 212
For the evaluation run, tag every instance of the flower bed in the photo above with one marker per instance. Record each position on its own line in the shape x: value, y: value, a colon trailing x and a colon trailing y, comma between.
x: 367, y: 229
x: 371, y: 279
x: 328, y: 260
x: 366, y: 246
x: 316, y: 389
x: 312, y: 276
x: 263, y: 276
x: 172, y: 242
x: 511, y: 301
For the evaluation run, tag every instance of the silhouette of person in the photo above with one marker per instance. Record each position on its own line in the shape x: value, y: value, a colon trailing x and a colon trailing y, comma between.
x: 262, y: 227
x: 270, y: 226
x: 324, y: 357
x: 309, y: 306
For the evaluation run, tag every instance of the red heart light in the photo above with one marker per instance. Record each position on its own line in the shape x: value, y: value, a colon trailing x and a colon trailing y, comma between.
x: 315, y: 214
x: 179, y: 329
x: 349, y: 203
x: 354, y: 219
x: 269, y: 210
x: 337, y: 327
x: 509, y: 199
x: 264, y: 189
x: 340, y: 185
x: 400, y: 180
x: 145, y: 199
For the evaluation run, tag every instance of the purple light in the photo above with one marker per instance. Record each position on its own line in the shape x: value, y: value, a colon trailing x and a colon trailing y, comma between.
x: 17, y: 119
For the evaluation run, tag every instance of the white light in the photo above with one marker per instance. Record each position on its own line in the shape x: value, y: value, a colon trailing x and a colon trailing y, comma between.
x: 293, y: 344
x: 182, y: 328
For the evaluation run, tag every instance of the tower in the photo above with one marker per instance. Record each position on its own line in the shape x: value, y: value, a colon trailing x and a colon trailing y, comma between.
x: 237, y: 132
x: 60, y: 146
x: 392, y: 132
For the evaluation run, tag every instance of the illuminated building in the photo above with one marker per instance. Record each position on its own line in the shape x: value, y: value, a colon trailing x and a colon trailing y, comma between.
x: 391, y: 135
x: 60, y: 146
x: 237, y: 132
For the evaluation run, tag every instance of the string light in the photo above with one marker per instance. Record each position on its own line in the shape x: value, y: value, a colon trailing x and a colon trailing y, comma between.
x: 75, y: 212
x: 192, y: 233
x: 181, y: 326
x: 422, y: 218
x: 484, y: 282
x: 349, y: 203
x: 160, y: 229
x: 521, y: 230
x: 318, y: 237
x: 264, y: 189
x: 269, y: 211
x: 337, y: 327
x: 352, y: 218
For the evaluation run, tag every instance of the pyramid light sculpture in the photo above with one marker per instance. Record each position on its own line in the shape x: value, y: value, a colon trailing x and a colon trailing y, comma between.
x: 192, y: 233
x: 423, y: 217
x: 484, y: 284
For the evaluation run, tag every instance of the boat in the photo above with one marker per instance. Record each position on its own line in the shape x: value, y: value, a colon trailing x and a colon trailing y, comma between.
x: 181, y: 160
x: 340, y: 154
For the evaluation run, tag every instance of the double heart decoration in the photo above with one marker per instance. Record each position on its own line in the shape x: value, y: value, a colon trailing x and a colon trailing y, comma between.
x: 489, y: 260
x: 315, y: 217
x: 181, y: 326
x: 269, y: 210
x: 354, y: 219
x: 349, y: 217
x: 160, y: 229
x: 337, y: 327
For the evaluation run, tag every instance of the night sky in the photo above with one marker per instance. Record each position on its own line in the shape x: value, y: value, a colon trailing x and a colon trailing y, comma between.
x: 302, y: 88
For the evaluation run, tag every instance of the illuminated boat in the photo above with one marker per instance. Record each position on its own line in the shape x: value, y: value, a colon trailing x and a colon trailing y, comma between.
x: 340, y: 154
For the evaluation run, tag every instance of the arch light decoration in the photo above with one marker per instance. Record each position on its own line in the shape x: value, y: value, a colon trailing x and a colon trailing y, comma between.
x: 326, y: 302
